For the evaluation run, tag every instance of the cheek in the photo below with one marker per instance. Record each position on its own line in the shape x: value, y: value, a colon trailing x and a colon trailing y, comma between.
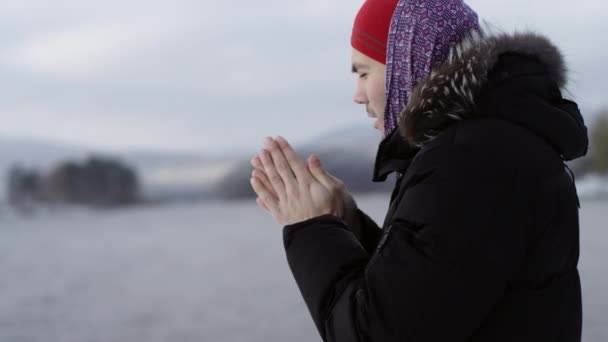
x: 376, y: 93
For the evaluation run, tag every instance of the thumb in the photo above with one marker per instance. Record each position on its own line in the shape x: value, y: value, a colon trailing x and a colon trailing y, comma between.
x: 317, y: 170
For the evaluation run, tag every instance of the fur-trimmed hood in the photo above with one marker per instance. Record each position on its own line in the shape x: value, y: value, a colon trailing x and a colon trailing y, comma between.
x: 477, y: 70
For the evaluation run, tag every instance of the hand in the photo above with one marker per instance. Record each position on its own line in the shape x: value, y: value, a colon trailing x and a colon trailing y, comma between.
x: 297, y: 196
x: 343, y: 203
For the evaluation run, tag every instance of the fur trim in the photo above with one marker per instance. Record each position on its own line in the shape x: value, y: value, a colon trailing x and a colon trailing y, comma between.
x: 448, y: 93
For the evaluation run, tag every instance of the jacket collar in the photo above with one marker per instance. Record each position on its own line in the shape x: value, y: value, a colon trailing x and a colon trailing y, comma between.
x: 498, y: 75
x: 453, y: 92
x: 394, y: 154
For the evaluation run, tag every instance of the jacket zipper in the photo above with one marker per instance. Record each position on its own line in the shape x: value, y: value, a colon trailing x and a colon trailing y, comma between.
x: 381, y: 243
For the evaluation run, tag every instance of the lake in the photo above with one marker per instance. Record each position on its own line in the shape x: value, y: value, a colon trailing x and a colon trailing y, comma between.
x: 207, y: 271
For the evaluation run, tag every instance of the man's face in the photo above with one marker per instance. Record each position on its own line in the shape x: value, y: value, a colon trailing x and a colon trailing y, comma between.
x: 370, y: 86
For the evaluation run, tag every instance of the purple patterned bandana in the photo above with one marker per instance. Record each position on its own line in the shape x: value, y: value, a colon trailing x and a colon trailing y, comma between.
x: 420, y: 37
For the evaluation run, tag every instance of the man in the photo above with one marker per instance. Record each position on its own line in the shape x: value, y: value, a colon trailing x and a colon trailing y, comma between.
x: 480, y: 242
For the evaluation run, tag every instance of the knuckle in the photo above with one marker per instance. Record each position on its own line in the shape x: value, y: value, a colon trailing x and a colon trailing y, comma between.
x: 292, y: 191
x: 305, y: 182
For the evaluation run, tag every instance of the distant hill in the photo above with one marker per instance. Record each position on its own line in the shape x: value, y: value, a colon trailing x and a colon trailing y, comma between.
x: 347, y: 152
x: 158, y: 170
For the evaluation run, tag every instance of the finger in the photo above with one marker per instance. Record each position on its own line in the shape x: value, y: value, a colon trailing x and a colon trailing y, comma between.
x: 259, y: 172
x: 257, y: 163
x: 297, y: 165
x: 269, y: 189
x: 261, y: 176
x: 337, y: 181
x: 317, y: 170
x: 280, y: 163
x: 326, y: 173
x: 269, y: 200
x: 273, y: 176
x: 261, y: 203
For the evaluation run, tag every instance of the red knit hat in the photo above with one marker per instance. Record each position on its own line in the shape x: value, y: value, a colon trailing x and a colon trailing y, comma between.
x: 370, y: 31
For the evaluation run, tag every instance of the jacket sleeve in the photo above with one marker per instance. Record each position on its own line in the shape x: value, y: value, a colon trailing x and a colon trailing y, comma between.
x: 365, y: 229
x: 443, y: 262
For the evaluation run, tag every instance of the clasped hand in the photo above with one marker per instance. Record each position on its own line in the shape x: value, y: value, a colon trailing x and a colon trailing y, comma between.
x: 292, y: 190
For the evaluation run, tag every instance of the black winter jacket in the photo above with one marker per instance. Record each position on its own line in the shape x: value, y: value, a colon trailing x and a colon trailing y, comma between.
x: 481, y: 239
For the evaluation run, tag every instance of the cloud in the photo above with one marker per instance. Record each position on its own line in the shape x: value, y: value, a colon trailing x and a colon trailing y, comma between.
x: 77, y: 51
x: 204, y: 75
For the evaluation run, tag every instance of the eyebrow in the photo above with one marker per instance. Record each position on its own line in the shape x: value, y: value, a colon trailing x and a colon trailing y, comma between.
x: 356, y: 66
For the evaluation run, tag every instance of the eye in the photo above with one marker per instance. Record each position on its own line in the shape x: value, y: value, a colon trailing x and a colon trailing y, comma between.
x: 363, y: 75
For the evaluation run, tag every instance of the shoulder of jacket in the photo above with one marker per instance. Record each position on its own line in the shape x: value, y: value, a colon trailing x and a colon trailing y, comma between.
x: 487, y: 134
x: 487, y: 144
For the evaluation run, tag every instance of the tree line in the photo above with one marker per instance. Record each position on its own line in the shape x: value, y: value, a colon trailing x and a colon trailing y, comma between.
x: 96, y: 182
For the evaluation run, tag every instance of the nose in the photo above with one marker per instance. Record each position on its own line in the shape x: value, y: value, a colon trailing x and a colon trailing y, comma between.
x: 360, y: 97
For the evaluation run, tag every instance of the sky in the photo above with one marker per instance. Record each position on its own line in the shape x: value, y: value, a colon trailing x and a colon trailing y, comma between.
x: 214, y: 76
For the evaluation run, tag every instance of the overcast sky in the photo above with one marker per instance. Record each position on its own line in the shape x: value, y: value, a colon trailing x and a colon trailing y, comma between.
x: 206, y: 75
